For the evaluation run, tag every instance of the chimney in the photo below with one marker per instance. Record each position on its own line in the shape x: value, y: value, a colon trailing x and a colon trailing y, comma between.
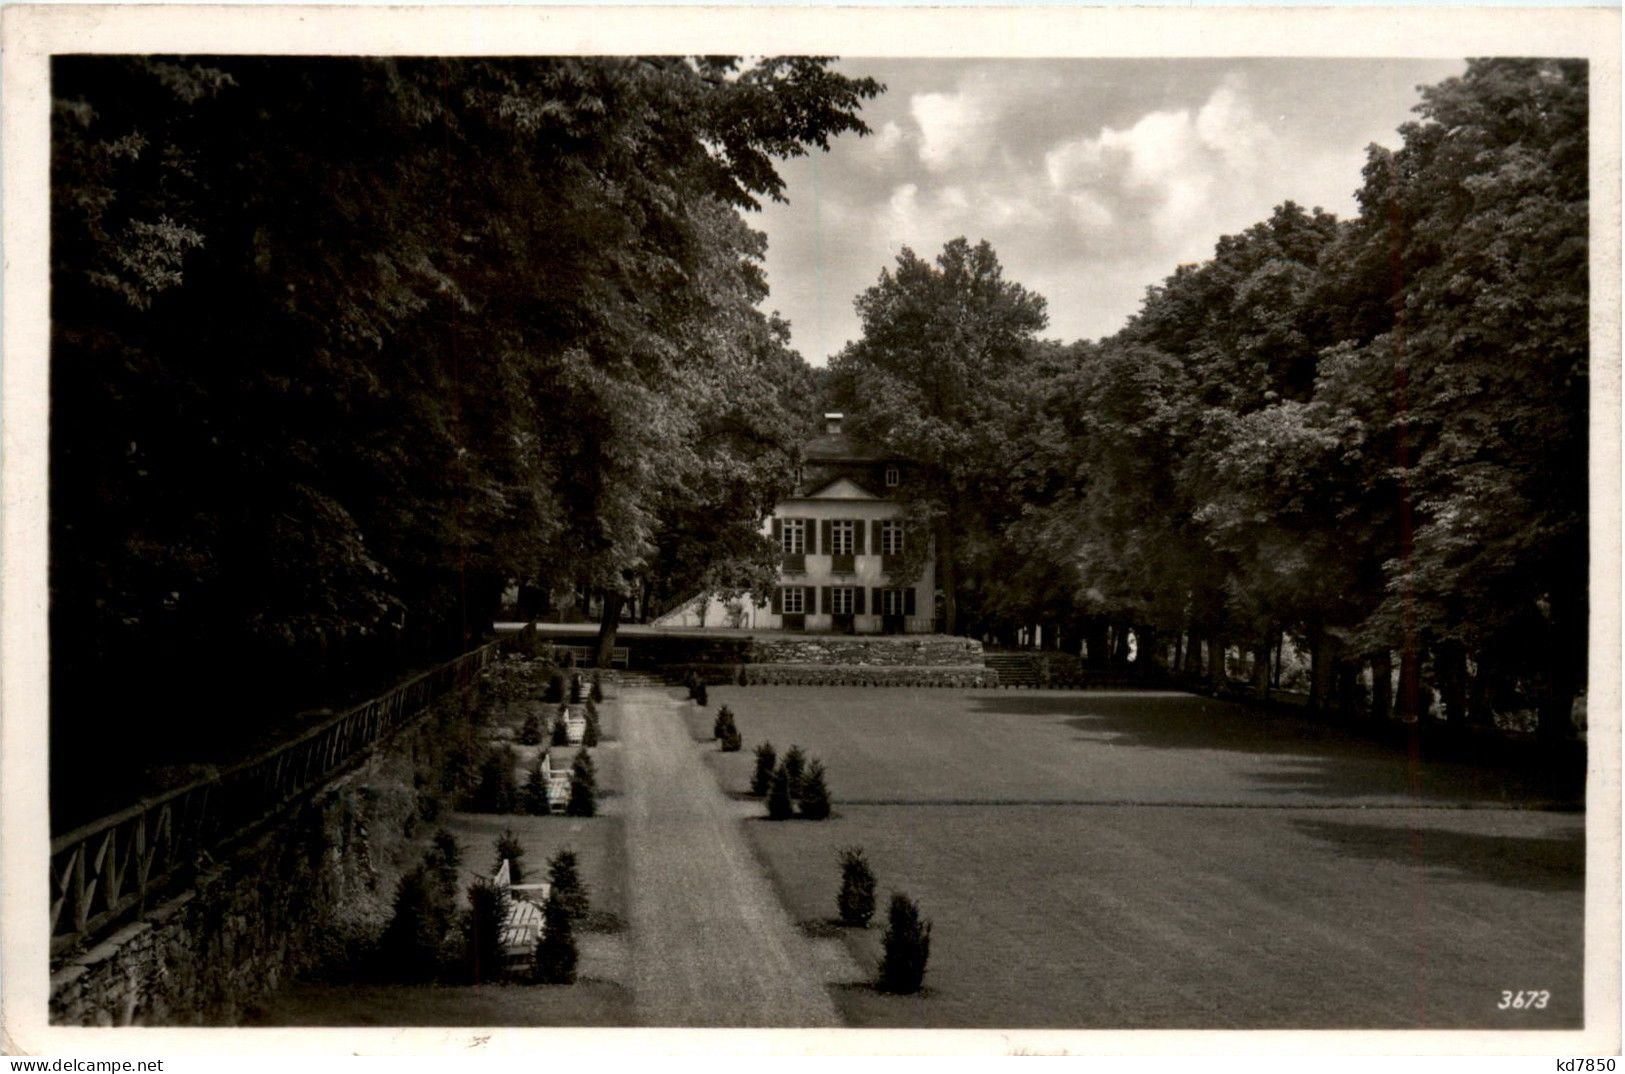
x: 832, y: 422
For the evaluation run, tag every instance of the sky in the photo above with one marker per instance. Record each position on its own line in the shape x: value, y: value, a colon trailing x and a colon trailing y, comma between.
x: 1093, y: 179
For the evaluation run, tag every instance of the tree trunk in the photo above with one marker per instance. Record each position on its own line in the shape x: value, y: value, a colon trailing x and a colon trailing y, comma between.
x: 1176, y: 664
x: 1480, y: 694
x: 1382, y: 691
x: 1119, y: 646
x: 1145, y: 650
x: 1193, y: 655
x: 1450, y: 664
x: 1280, y: 647
x: 1565, y: 665
x: 1349, y: 695
x: 1095, y: 638
x: 948, y: 579
x: 1322, y: 659
x: 1215, y: 662
x: 609, y: 620
x: 1261, y: 667
x: 1410, y: 682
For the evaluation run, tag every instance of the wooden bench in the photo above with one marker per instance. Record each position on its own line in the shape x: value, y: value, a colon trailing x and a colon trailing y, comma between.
x: 582, y: 655
x: 524, y: 924
x: 558, y: 784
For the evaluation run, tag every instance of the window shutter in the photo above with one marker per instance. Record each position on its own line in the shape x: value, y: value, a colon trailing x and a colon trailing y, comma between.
x: 823, y: 599
x: 778, y: 593
x: 824, y: 537
x: 778, y: 532
x: 809, y: 535
x: 877, y: 599
x: 874, y: 537
x: 857, y: 601
x: 908, y: 601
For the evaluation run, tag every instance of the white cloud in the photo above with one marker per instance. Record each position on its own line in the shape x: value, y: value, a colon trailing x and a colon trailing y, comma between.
x: 1175, y: 168
x: 889, y: 138
x: 1092, y: 180
x: 952, y: 126
x: 1227, y: 123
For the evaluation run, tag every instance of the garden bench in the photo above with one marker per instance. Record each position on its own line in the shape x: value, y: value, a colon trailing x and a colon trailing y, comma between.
x: 523, y: 926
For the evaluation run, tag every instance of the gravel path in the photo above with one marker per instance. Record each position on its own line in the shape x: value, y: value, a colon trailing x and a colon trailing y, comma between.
x: 711, y: 945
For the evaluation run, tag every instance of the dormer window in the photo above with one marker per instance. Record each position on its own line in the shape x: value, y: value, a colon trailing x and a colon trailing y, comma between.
x: 893, y: 478
x: 832, y: 422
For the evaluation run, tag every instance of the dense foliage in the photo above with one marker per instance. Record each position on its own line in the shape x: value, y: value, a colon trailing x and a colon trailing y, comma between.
x: 342, y: 345
x: 1369, y: 436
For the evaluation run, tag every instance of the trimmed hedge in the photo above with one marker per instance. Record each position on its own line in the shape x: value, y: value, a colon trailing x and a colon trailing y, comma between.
x: 966, y: 677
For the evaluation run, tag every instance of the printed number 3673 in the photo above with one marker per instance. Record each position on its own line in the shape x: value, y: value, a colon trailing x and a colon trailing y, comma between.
x: 1523, y: 1001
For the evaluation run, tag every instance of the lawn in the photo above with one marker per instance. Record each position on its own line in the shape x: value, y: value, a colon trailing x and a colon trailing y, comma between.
x: 928, y: 745
x: 585, y: 1003
x: 1130, y: 860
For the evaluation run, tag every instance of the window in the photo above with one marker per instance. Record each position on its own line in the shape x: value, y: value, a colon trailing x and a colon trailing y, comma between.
x: 891, y: 602
x: 892, y: 477
x: 891, y: 538
x: 794, y: 600
x: 840, y: 600
x: 840, y: 538
x: 795, y: 536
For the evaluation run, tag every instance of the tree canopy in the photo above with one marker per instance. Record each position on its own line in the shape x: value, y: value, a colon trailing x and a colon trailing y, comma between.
x: 340, y: 345
x: 1370, y: 435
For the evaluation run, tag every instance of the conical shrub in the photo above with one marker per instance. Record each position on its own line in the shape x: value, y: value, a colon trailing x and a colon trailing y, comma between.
x: 779, y: 804
x: 566, y: 885
x: 905, y: 948
x: 536, y: 803
x: 510, y: 849
x: 556, y: 955
x: 795, y: 765
x: 856, y: 900
x: 583, y: 787
x: 814, y: 800
x: 762, y: 778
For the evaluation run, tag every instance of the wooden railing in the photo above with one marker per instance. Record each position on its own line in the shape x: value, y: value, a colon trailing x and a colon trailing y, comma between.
x: 105, y: 869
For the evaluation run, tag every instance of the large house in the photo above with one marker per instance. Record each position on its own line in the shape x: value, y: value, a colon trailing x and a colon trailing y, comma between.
x: 843, y: 540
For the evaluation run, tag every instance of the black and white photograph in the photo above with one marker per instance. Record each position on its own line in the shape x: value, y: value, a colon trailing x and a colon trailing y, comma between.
x: 538, y: 525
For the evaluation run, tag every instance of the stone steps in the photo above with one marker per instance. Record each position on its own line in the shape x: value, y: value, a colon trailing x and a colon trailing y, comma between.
x: 1015, y: 669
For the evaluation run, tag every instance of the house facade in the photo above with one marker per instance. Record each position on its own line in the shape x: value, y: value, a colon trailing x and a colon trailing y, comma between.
x: 846, y: 551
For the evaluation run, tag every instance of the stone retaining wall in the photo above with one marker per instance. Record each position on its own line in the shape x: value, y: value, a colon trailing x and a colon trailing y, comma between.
x: 961, y: 676
x: 933, y: 650
x: 313, y: 890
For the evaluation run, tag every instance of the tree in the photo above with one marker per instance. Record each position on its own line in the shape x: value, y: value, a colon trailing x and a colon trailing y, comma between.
x: 942, y: 346
x: 444, y: 860
x: 566, y: 885
x: 415, y: 264
x: 1482, y: 348
x: 583, y: 787
x: 412, y: 943
x: 794, y: 764
x: 780, y: 805
x: 487, y: 914
x: 556, y: 957
x: 536, y: 800
x: 856, y: 899
x: 510, y: 849
x: 905, y: 948
x: 497, y: 789
x: 762, y: 777
x: 814, y: 797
